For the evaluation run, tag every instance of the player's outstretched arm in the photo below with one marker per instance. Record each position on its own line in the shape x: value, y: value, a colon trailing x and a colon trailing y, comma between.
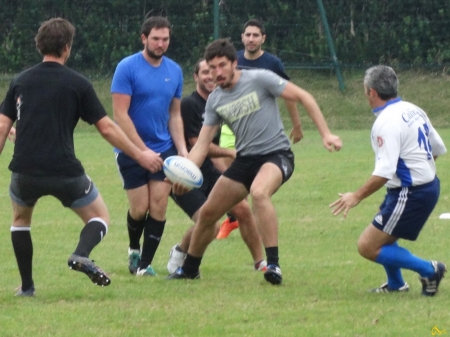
x: 200, y: 150
x: 116, y: 137
x: 349, y: 200
x: 297, y: 94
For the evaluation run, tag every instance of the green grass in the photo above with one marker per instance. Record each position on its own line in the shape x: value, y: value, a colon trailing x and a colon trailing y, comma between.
x: 325, y: 280
x: 343, y: 110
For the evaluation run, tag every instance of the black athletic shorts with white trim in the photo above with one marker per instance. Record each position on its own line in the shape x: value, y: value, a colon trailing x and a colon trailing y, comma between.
x: 245, y: 168
x: 73, y: 192
x: 405, y: 210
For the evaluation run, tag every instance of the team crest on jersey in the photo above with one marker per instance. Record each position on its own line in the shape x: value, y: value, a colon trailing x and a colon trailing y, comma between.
x: 380, y: 141
x: 379, y: 219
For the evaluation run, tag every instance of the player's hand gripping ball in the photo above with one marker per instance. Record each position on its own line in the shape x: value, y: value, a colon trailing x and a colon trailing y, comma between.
x: 182, y: 170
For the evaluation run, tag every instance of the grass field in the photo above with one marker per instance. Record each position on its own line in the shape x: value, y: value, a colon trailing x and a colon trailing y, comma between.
x: 325, y: 281
x: 324, y: 292
x: 344, y: 110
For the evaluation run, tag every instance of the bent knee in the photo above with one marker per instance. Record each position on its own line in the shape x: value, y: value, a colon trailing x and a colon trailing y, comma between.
x: 241, y: 210
x: 366, y: 250
x: 259, y: 195
x: 208, y: 215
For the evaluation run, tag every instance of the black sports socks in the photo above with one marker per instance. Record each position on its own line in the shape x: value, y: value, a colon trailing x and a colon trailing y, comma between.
x: 153, y: 232
x: 23, y: 249
x: 135, y: 229
x: 272, y: 255
x: 90, y: 236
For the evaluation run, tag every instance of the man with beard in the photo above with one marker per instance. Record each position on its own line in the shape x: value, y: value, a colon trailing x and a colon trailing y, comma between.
x: 246, y: 101
x: 254, y: 57
x: 146, y: 91
x: 193, y: 113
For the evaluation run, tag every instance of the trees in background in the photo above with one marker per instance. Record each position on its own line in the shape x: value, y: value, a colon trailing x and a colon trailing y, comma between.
x: 397, y: 32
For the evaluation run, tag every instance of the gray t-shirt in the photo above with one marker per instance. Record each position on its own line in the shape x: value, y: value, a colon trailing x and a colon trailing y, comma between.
x: 250, y: 110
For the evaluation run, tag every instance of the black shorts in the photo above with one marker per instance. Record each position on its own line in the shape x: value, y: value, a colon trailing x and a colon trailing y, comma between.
x: 194, y: 199
x: 73, y: 192
x: 245, y: 168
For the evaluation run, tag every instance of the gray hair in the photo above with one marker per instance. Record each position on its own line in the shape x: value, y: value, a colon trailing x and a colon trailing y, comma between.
x: 383, y: 80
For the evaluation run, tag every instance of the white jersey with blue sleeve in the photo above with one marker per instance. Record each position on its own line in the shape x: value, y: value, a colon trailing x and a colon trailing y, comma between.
x: 405, y: 142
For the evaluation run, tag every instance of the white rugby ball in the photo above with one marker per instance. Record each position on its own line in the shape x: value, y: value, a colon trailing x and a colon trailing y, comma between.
x: 182, y: 170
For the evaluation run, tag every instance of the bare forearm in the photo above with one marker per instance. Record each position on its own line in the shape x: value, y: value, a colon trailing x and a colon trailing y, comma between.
x: 114, y: 135
x: 126, y: 125
x: 291, y: 107
x: 216, y: 151
x: 313, y: 110
x: 5, y: 127
x: 177, y: 132
x: 371, y: 186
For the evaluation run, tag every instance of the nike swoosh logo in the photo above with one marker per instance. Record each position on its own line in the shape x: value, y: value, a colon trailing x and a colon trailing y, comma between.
x: 86, y: 191
x: 167, y: 79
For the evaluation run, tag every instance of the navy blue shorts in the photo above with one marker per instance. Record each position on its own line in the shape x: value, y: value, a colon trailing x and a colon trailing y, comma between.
x: 134, y: 175
x: 405, y: 210
x: 245, y: 168
x: 194, y: 199
x: 73, y: 192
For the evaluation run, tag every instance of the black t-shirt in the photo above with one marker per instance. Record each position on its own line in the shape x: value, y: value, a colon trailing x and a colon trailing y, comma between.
x: 193, y: 114
x: 46, y: 102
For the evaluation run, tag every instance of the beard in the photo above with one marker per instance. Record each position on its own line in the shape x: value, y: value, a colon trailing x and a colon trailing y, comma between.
x: 151, y: 54
x: 228, y: 84
x: 254, y: 50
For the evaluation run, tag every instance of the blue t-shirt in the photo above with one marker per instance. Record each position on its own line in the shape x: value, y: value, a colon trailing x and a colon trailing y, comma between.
x: 265, y: 61
x: 152, y: 90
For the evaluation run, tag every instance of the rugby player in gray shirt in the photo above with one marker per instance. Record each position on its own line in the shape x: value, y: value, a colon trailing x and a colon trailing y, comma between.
x: 246, y: 101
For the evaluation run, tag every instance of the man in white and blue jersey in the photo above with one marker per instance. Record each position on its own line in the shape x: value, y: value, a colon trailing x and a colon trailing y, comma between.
x: 406, y: 146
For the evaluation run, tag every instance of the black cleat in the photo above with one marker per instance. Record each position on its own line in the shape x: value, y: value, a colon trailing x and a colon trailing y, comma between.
x: 179, y: 274
x: 88, y: 267
x: 384, y: 288
x: 273, y: 274
x: 27, y: 293
x: 430, y: 285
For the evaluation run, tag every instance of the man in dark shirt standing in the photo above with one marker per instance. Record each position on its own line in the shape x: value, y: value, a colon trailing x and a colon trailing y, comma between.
x: 46, y: 102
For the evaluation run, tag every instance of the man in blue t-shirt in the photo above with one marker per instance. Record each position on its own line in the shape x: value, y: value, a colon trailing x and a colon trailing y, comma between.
x: 146, y: 92
x: 253, y: 57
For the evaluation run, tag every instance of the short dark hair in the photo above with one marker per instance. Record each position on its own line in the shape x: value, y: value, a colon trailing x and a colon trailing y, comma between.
x: 255, y: 23
x: 154, y: 22
x: 53, y: 36
x: 197, y: 65
x: 219, y: 48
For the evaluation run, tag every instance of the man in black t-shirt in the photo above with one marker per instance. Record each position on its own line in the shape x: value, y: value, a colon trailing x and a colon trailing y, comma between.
x: 192, y: 112
x: 46, y: 103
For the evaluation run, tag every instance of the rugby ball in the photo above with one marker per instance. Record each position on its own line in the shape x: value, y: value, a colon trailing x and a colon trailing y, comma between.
x: 182, y: 170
